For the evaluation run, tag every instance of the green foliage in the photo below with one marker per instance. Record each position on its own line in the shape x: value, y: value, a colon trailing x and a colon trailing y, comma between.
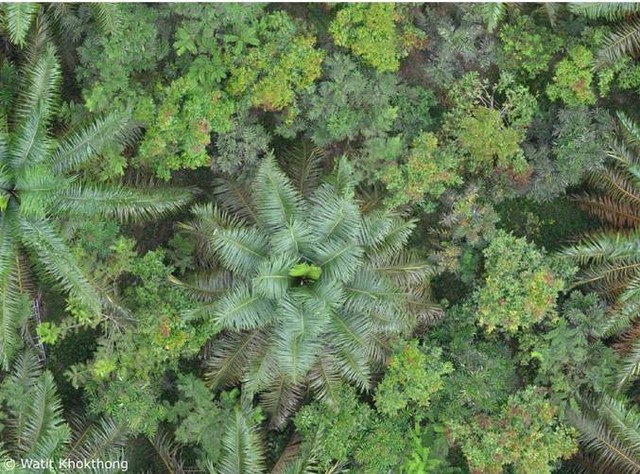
x: 380, y: 33
x: 573, y: 78
x: 563, y: 155
x: 414, y: 374
x: 526, y: 435
x: 284, y: 63
x: 520, y: 286
x: 265, y: 63
x: 43, y: 178
x: 489, y: 142
x: 427, y: 173
x: 527, y: 48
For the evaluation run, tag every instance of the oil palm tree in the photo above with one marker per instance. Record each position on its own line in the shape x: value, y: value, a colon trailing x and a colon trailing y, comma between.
x: 316, y: 290
x: 612, y: 258
x: 34, y: 428
x: 41, y: 185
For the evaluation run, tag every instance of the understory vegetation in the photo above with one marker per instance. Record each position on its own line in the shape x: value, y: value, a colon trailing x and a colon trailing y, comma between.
x: 320, y: 238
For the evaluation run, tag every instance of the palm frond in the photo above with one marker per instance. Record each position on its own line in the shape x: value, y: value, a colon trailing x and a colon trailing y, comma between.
x: 608, y: 432
x: 343, y: 178
x: 240, y: 250
x: 167, y: 450
x: 631, y: 365
x: 125, y: 204
x: 403, y: 269
x: 108, y: 16
x: 236, y: 199
x: 295, y: 238
x: 272, y: 279
x: 630, y: 129
x: 297, y: 343
x: 57, y: 260
x: 242, y: 310
x: 40, y: 88
x: 36, y: 426
x: 277, y: 201
x: 339, y: 260
x: 324, y: 379
x: 608, y: 11
x: 624, y: 41
x: 492, y: 14
x: 80, y: 146
x: 12, y: 303
x: 303, y: 165
x: 17, y: 20
x: 617, y: 212
x: 334, y: 217
x: 103, y: 439
x: 243, y: 450
x: 281, y: 400
x: 231, y: 354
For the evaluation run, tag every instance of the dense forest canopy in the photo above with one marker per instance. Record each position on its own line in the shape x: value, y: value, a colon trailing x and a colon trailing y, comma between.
x: 320, y: 238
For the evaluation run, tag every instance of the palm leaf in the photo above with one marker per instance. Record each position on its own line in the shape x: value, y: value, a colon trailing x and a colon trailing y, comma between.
x: 231, y: 355
x: 608, y: 11
x: 281, y: 400
x: 277, y: 202
x: 303, y: 165
x: 125, y: 204
x: 243, y: 451
x: 242, y: 310
x: 17, y: 20
x: 57, y: 260
x: 82, y: 145
x: 12, y: 303
x: 624, y: 41
x: 492, y: 14
x: 235, y: 198
x: 600, y: 427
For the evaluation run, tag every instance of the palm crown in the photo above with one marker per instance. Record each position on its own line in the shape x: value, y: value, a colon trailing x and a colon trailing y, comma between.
x: 611, y: 258
x: 39, y: 185
x: 318, y: 288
